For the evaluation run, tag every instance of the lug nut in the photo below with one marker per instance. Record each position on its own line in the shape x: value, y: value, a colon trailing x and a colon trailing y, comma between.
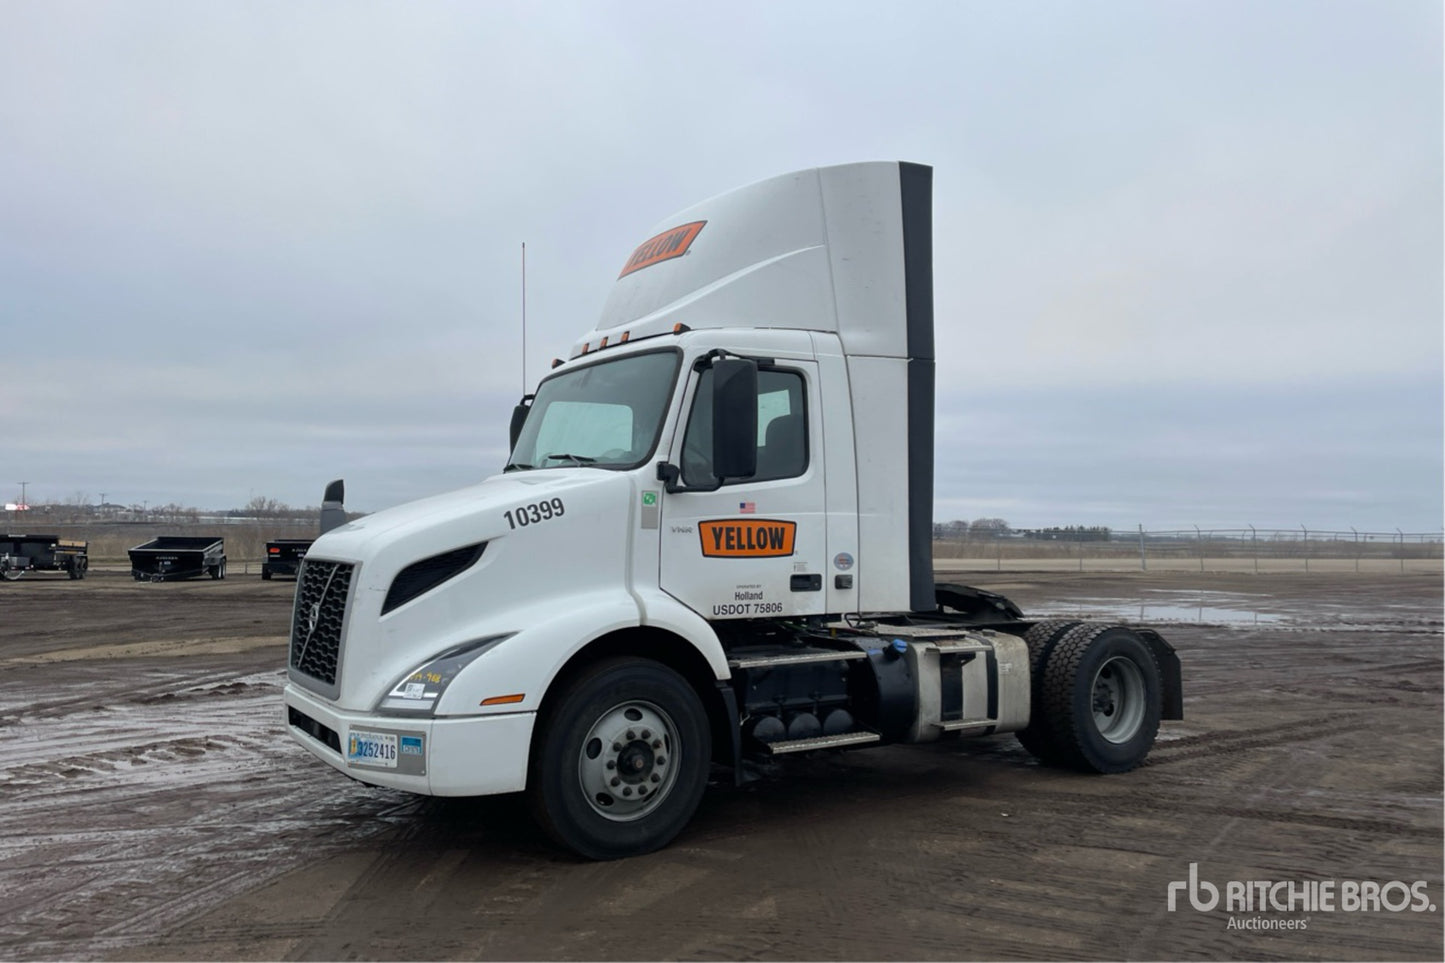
x: 660, y: 760
x: 656, y: 777
x: 657, y: 743
x: 642, y: 790
x: 631, y: 735
x: 646, y: 734
x: 612, y: 764
x: 616, y: 781
x: 617, y: 747
x: 627, y: 792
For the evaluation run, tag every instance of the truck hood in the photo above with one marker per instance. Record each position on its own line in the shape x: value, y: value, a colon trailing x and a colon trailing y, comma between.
x: 532, y: 562
x: 462, y: 517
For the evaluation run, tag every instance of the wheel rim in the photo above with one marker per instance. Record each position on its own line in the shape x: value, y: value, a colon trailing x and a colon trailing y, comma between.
x: 626, y: 764
x: 1118, y: 699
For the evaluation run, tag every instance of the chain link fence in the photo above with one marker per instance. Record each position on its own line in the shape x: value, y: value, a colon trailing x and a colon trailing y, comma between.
x: 1054, y: 549
x: 1202, y: 550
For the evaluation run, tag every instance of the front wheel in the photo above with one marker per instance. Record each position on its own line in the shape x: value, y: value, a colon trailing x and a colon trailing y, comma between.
x: 620, y: 760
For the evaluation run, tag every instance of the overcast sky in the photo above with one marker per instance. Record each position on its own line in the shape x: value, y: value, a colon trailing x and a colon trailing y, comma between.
x: 1188, y: 256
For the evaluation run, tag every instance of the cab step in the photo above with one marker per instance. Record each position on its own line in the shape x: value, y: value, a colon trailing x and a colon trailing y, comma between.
x: 772, y: 659
x: 821, y: 742
x: 951, y: 725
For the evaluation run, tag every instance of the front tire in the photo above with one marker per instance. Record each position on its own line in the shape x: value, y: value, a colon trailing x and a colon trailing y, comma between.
x: 620, y: 760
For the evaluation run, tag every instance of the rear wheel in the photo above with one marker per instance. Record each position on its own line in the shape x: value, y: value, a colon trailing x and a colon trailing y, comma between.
x: 9, y: 574
x: 620, y: 760
x: 1038, y: 738
x: 1101, y: 699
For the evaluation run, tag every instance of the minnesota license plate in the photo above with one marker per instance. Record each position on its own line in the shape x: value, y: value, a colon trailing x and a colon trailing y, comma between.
x: 371, y: 749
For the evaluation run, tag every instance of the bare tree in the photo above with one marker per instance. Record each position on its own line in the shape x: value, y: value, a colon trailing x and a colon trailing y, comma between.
x: 263, y: 507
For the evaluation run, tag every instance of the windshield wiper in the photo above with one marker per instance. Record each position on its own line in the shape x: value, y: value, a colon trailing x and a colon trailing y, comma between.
x: 516, y: 466
x: 579, y: 459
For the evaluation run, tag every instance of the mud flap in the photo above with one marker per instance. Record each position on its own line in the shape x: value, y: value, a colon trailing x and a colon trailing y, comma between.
x: 1172, y: 707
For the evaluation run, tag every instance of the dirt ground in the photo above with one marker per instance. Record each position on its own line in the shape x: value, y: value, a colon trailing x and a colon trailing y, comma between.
x: 152, y: 807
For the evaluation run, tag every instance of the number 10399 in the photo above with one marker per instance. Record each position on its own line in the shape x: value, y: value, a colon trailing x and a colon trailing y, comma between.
x: 537, y: 512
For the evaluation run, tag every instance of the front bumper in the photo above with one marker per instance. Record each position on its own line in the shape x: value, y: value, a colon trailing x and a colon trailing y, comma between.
x: 469, y: 756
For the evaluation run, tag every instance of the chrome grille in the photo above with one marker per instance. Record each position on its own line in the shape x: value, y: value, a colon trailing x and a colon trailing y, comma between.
x: 321, y: 593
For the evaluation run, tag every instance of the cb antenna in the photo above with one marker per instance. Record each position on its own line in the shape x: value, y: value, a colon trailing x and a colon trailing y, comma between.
x: 524, y: 317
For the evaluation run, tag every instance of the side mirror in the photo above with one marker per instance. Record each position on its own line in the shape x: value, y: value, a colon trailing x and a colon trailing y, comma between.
x: 519, y: 417
x: 734, y: 418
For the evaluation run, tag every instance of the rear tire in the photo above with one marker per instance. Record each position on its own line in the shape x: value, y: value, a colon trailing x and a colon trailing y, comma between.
x: 1101, y: 700
x: 1038, y: 738
x: 620, y: 759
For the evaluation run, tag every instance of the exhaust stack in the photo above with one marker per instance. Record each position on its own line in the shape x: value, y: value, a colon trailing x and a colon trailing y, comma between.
x: 333, y: 513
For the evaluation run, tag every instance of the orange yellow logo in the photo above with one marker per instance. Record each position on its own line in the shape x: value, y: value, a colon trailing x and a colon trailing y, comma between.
x: 671, y: 243
x: 747, y: 538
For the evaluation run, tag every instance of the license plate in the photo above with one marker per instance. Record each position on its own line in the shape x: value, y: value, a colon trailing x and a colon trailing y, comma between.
x: 371, y: 749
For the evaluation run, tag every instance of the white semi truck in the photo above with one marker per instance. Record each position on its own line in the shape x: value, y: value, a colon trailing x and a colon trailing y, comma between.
x: 711, y: 544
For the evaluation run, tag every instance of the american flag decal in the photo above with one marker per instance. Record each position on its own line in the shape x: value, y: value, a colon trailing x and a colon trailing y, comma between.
x: 747, y: 508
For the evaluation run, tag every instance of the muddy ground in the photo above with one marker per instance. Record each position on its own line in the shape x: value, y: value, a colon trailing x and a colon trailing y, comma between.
x: 151, y: 806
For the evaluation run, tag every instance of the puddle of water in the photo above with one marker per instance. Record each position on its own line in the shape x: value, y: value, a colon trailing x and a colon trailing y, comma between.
x: 1213, y: 608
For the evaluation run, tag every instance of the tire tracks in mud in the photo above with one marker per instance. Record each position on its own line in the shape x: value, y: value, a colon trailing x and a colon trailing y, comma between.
x: 230, y: 842
x: 109, y: 834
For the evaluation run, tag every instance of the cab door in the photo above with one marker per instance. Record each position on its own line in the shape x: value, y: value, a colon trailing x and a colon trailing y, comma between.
x: 753, y: 548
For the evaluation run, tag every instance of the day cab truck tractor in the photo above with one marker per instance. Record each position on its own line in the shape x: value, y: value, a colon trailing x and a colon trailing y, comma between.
x: 711, y: 545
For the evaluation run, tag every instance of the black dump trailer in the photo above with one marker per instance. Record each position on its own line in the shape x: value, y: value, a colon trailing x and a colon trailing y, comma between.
x: 170, y: 557
x: 42, y: 553
x: 284, y: 555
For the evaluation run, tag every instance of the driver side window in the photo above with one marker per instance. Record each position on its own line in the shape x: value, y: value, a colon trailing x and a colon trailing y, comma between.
x: 782, y: 430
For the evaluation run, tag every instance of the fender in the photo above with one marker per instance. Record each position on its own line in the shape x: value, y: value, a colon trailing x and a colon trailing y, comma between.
x: 528, y: 662
x: 662, y: 611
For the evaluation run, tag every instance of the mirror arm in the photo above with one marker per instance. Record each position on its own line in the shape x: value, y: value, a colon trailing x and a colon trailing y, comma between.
x: 669, y: 474
x: 716, y: 354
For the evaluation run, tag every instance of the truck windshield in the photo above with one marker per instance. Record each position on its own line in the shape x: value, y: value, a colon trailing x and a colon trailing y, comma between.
x: 606, y: 415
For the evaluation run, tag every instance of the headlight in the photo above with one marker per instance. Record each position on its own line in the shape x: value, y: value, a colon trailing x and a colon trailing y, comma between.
x: 418, y: 692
